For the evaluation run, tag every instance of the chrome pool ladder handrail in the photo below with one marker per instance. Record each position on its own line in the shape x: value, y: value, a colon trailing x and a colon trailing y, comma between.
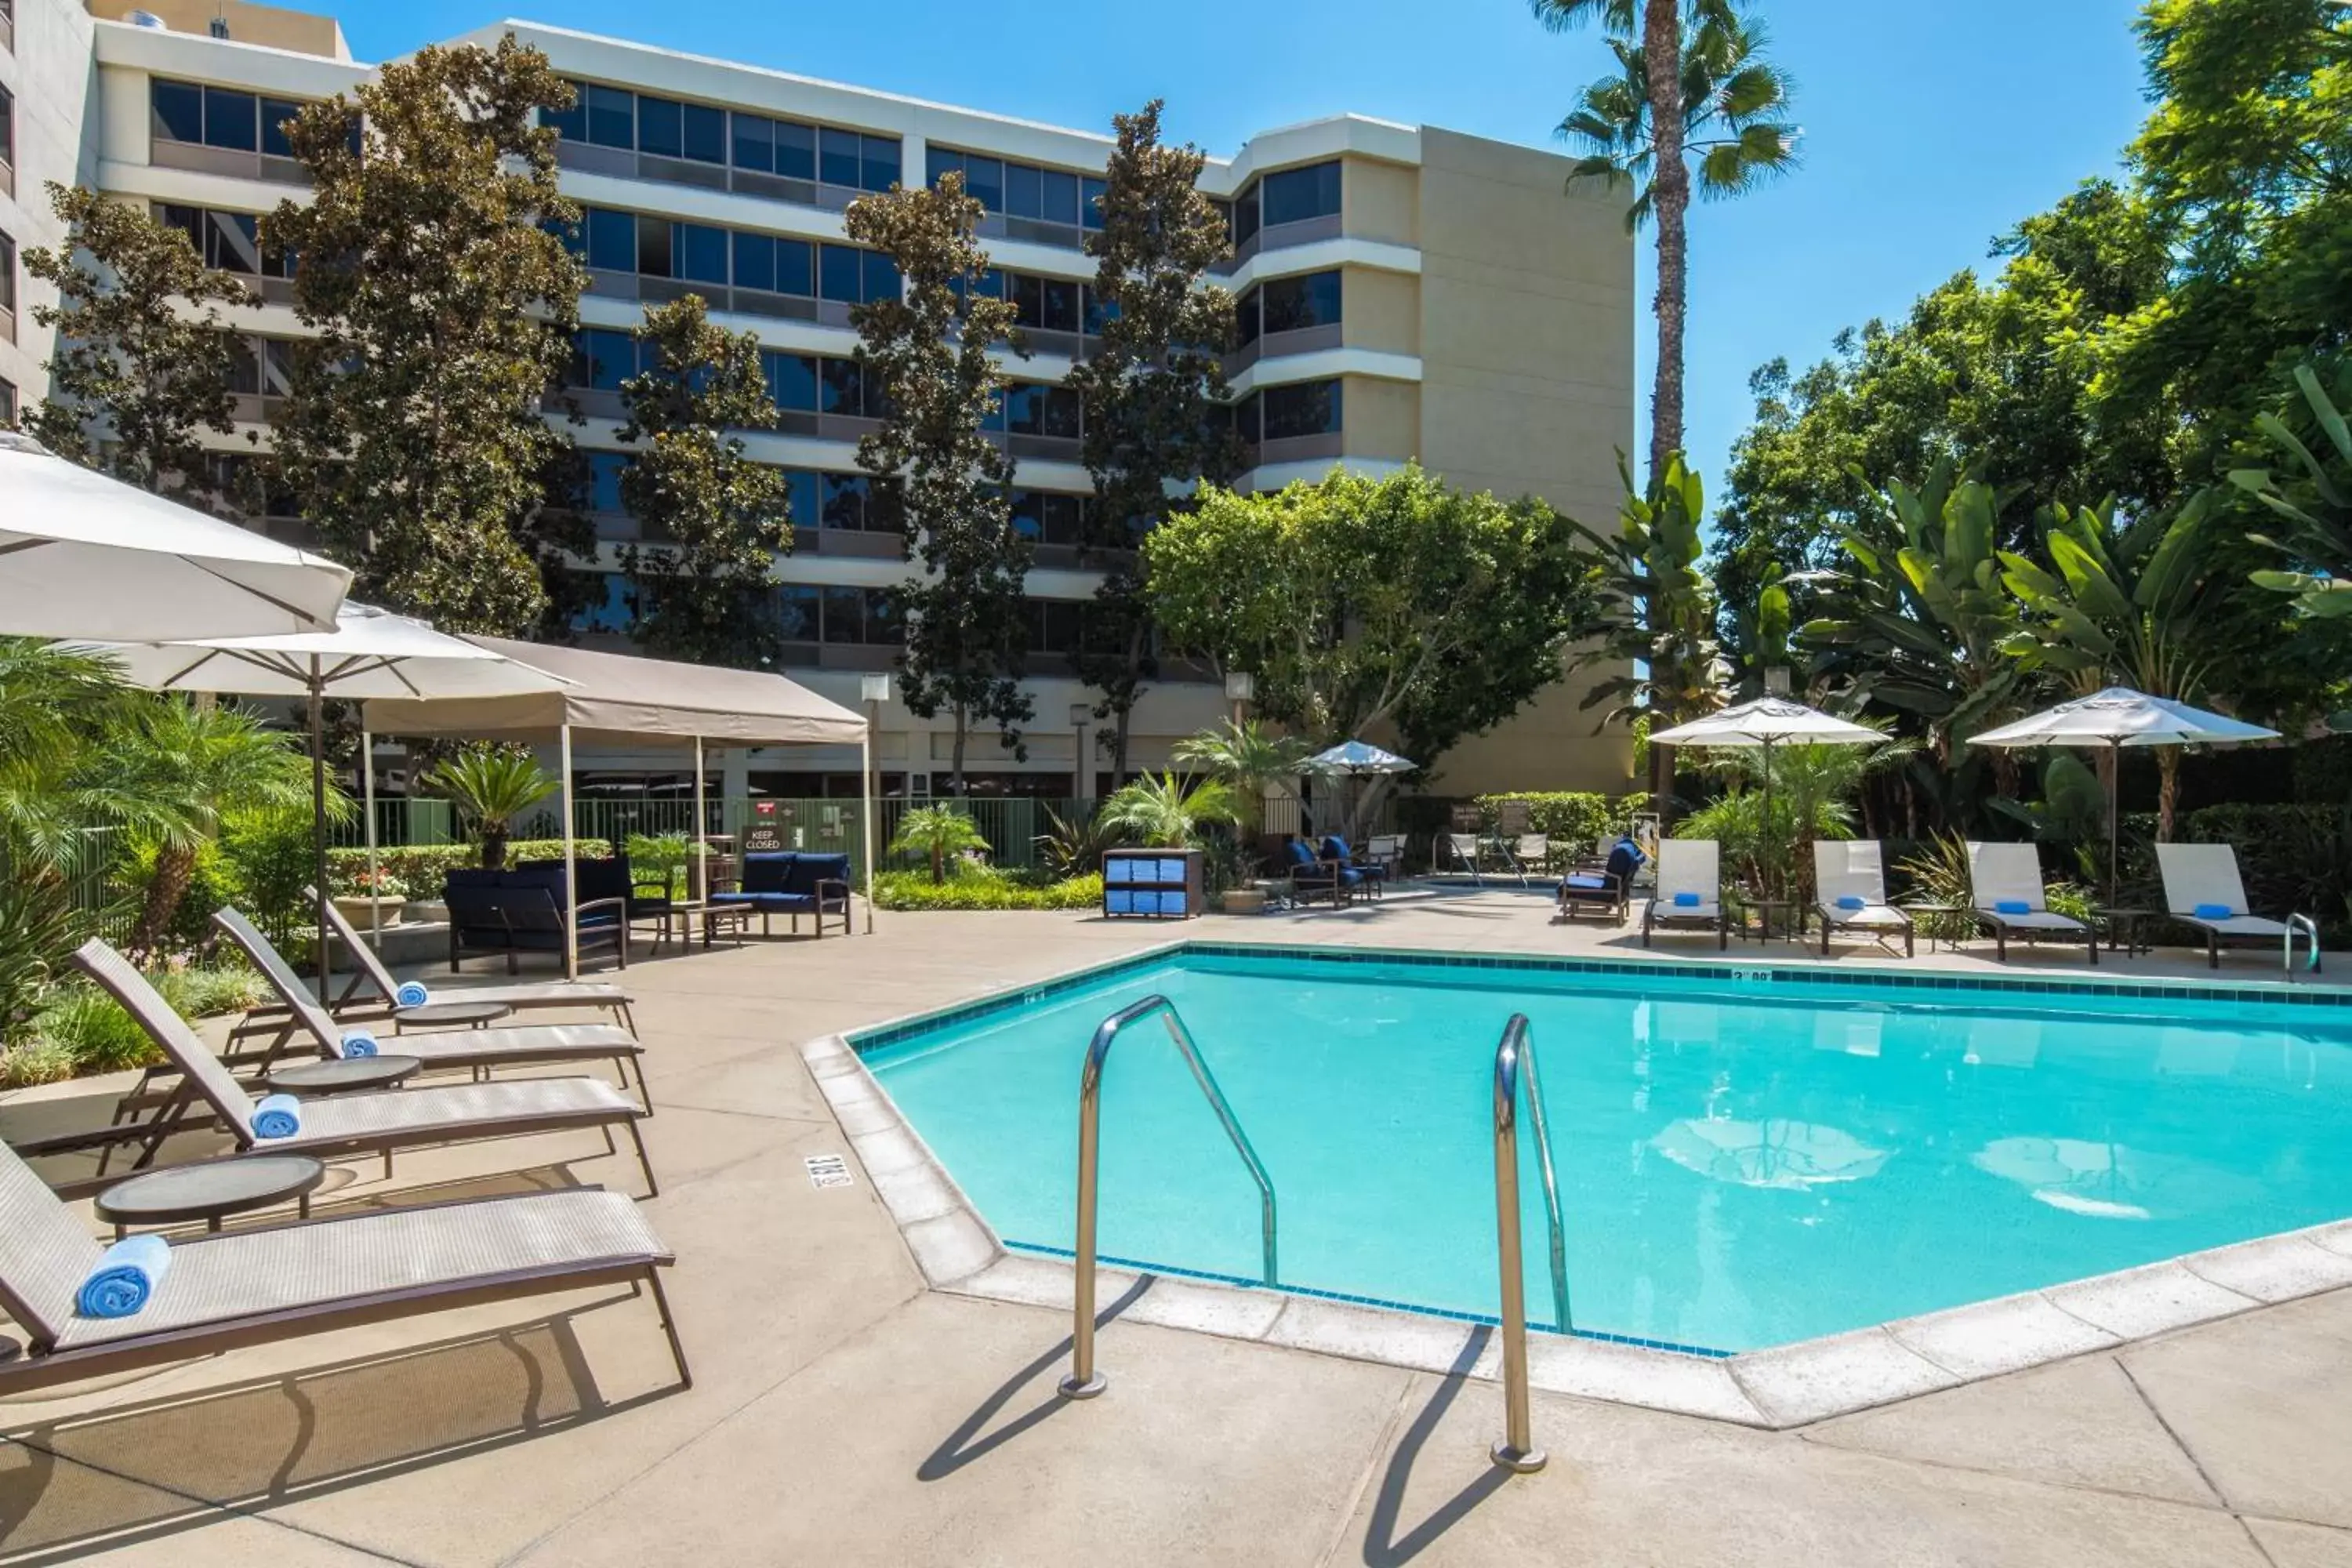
x: 2310, y: 928
x: 1518, y: 1451
x: 1084, y: 1382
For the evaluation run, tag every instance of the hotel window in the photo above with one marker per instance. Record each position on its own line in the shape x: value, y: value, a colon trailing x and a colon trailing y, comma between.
x: 8, y: 401
x: 792, y: 383
x: 611, y: 240
x: 603, y: 358
x: 8, y: 131
x: 1293, y: 195
x: 604, y: 470
x: 1056, y: 625
x: 228, y: 242
x: 1047, y: 304
x: 1049, y: 517
x: 1295, y: 304
x: 1033, y: 408
x: 670, y: 128
x: 8, y: 284
x: 1022, y: 190
x: 851, y: 615
x: 1302, y: 408
x: 221, y: 117
x: 614, y: 609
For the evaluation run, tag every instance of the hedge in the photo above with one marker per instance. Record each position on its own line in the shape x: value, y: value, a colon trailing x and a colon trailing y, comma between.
x: 1575, y: 816
x: 984, y: 889
x: 421, y: 867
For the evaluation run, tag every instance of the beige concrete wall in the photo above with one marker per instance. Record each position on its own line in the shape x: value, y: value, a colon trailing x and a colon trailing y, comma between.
x: 1379, y: 310
x: 1382, y: 417
x: 272, y: 27
x: 1378, y: 200
x: 1551, y: 743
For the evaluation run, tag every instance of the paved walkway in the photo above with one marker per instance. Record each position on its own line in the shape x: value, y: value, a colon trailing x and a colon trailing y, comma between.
x: 843, y: 1415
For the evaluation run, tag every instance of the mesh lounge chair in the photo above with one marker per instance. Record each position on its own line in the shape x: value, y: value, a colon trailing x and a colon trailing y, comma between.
x: 478, y: 1050
x: 364, y: 1123
x: 369, y: 971
x: 2005, y: 893
x: 1689, y: 894
x: 1849, y: 893
x: 2202, y: 889
x: 254, y: 1286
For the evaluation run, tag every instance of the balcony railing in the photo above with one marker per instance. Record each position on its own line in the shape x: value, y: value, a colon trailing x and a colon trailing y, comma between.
x: 620, y: 163
x: 235, y: 163
x: 1274, y: 345
x: 1280, y: 236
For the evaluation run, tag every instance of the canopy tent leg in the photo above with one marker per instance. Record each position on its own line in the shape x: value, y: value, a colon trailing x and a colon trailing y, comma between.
x: 697, y: 878
x: 570, y: 869
x: 367, y: 797
x: 873, y: 794
x: 319, y: 819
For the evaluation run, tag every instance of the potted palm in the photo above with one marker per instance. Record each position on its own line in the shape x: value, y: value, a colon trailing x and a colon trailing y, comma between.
x: 937, y: 833
x: 490, y: 787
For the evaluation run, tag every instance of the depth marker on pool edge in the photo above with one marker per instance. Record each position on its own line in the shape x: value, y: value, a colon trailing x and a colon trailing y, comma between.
x: 828, y: 1171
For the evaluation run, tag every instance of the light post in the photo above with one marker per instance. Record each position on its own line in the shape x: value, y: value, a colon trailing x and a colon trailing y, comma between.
x: 1241, y: 689
x: 875, y: 689
x: 1081, y: 775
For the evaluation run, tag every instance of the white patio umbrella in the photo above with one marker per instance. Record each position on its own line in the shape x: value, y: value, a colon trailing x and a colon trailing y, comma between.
x: 82, y: 555
x: 1772, y: 1152
x: 1354, y: 758
x: 1768, y: 721
x: 370, y: 653
x: 2114, y: 718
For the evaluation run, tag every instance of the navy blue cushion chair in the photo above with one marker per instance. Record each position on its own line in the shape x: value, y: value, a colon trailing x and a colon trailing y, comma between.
x: 520, y: 909
x: 791, y: 882
x: 1372, y: 875
x: 1313, y: 878
x: 1608, y: 889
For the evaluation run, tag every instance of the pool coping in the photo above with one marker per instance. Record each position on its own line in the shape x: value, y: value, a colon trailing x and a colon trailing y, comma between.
x: 1781, y: 1386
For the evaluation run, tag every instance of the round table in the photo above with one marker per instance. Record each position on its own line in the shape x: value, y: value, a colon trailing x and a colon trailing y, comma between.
x: 452, y: 1014
x: 342, y: 1075
x: 211, y: 1191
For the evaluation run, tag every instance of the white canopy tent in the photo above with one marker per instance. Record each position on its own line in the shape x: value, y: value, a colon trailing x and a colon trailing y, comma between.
x: 624, y: 698
x: 82, y: 555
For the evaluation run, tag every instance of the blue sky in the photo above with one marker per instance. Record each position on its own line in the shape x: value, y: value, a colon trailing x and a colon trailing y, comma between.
x: 1929, y: 125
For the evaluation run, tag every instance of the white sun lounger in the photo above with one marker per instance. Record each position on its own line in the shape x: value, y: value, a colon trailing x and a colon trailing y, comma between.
x: 1691, y: 868
x: 2205, y: 877
x: 1849, y: 892
x: 2011, y: 874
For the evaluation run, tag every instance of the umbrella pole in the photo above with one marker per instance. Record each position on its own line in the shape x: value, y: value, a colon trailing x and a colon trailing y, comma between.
x: 367, y: 799
x: 571, y: 875
x: 2114, y: 820
x: 866, y: 746
x: 319, y: 818
x: 1764, y: 840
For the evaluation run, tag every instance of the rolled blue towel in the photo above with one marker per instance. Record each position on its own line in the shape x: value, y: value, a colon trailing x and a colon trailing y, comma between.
x: 2212, y: 911
x: 357, y: 1043
x: 126, y: 1275
x: 411, y: 994
x: 1686, y: 901
x: 2011, y: 907
x: 278, y: 1116
x: 1851, y: 901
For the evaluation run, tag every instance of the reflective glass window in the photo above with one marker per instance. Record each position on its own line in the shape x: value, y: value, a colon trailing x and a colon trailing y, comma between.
x: 612, y: 116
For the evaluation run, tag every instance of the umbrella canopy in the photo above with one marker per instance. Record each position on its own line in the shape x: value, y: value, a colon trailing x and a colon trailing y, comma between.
x: 2120, y: 716
x: 1767, y: 1154
x: 1768, y: 721
x: 370, y: 653
x: 1357, y: 757
x: 2101, y: 1180
x: 88, y: 556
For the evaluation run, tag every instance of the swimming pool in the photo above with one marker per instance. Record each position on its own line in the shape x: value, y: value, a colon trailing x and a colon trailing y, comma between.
x: 1744, y: 1158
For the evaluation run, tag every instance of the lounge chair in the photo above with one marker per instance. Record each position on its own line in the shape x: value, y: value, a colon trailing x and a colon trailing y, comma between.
x: 362, y: 1123
x: 257, y: 1287
x: 1849, y: 893
x: 1608, y: 887
x: 2005, y: 895
x: 478, y: 1050
x: 2202, y: 889
x: 370, y: 971
x: 1689, y: 894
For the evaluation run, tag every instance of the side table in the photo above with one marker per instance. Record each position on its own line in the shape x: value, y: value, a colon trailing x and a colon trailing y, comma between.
x: 211, y: 1190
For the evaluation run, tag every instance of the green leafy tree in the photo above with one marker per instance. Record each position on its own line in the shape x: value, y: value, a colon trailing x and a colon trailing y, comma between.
x: 937, y: 833
x: 1691, y: 89
x: 442, y: 295
x: 142, y: 364
x: 1360, y: 602
x: 1249, y: 759
x: 721, y: 519
x: 1164, y: 812
x: 966, y: 618
x: 2314, y: 497
x: 1152, y: 391
x: 491, y: 787
x: 1655, y: 614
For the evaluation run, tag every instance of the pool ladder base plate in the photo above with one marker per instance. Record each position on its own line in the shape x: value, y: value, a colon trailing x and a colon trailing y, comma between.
x: 1071, y: 1388
x: 1520, y: 1461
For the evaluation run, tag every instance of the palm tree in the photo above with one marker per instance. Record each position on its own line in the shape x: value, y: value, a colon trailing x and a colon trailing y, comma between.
x: 490, y: 787
x: 935, y: 832
x: 1249, y: 759
x: 199, y: 764
x: 1167, y: 813
x: 1694, y: 87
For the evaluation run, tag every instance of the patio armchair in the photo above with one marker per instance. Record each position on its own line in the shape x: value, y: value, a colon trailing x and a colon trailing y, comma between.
x: 379, y: 1122
x: 1385, y: 850
x: 1533, y: 852
x: 1313, y: 878
x: 1849, y: 893
x: 1461, y: 849
x: 370, y: 974
x: 2006, y: 896
x: 791, y: 882
x: 520, y: 910
x: 2203, y: 889
x: 264, y: 1286
x: 1689, y: 894
x: 1608, y: 888
x: 1370, y: 874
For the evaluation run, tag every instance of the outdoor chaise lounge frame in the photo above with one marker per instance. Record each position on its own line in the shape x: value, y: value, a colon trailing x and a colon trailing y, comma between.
x: 2205, y: 874
x: 265, y: 1285
x: 1855, y: 869
x: 2011, y: 873
x: 379, y: 1122
x: 1689, y: 866
x: 478, y: 1050
x: 368, y: 970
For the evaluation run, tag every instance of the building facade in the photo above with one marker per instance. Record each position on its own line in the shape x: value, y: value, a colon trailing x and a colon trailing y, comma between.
x: 1405, y: 292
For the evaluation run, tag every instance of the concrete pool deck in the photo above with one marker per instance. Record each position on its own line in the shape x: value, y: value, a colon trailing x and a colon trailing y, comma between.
x: 843, y: 1412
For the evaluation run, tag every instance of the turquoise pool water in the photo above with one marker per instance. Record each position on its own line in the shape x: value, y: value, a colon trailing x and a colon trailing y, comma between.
x: 1741, y: 1164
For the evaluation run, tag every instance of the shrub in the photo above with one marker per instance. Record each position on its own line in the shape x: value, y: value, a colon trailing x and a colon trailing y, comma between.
x: 1573, y: 816
x: 35, y: 1062
x: 92, y: 1034
x: 982, y: 887
x: 275, y: 859
x: 424, y: 867
x: 2292, y: 858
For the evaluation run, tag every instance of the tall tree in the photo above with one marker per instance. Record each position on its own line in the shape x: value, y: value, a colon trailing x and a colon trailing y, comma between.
x: 1692, y: 86
x: 711, y: 519
x: 966, y: 619
x: 1152, y: 391
x: 142, y: 366
x: 434, y: 273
